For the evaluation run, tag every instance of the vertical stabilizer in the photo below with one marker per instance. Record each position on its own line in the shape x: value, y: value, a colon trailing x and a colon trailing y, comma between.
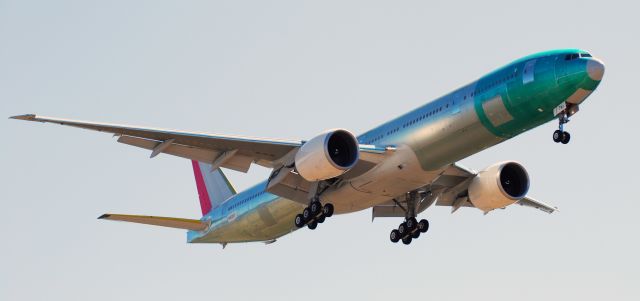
x: 213, y: 186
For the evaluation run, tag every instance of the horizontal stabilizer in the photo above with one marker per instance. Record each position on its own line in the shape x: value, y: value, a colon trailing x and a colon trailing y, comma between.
x: 171, y: 222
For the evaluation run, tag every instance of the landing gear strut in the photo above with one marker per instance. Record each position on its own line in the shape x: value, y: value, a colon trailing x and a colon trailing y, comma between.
x: 314, y: 214
x: 560, y: 135
x: 410, y: 229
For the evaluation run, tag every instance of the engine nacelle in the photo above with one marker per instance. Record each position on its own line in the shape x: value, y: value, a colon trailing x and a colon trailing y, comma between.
x: 327, y: 156
x: 498, y: 186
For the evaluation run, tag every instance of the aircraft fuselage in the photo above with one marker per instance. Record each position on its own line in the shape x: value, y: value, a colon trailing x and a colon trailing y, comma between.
x: 502, y: 104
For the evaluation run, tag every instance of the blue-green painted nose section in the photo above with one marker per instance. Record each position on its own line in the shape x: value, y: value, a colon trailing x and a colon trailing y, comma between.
x: 537, y: 88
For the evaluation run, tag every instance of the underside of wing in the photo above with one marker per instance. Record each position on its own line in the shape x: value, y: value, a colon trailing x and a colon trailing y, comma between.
x: 450, y: 188
x: 456, y: 180
x: 533, y: 203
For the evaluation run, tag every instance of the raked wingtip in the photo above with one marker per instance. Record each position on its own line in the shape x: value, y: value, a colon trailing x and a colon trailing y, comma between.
x: 28, y: 117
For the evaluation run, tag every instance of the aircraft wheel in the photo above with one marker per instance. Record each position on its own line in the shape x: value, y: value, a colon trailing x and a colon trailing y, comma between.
x: 423, y: 225
x: 411, y: 223
x: 321, y: 218
x: 394, y: 236
x: 306, y: 214
x: 315, y: 207
x: 312, y: 225
x: 406, y: 240
x: 327, y: 209
x: 565, y: 137
x: 402, y: 229
x: 299, y: 221
x: 415, y: 235
x: 557, y: 136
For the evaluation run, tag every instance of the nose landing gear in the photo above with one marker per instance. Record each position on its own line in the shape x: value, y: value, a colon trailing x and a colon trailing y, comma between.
x: 560, y: 135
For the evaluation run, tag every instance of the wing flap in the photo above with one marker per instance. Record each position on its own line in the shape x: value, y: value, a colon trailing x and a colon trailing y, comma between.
x: 236, y: 162
x: 170, y: 222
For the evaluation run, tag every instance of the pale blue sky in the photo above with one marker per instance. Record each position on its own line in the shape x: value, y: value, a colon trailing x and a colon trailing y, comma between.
x: 290, y: 69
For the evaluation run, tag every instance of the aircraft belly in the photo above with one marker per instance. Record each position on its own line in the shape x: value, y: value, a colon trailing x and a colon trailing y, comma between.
x: 398, y: 174
x: 266, y: 222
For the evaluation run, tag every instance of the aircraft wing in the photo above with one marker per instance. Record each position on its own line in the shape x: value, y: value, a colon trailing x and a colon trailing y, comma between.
x: 171, y: 222
x: 448, y: 189
x: 234, y: 152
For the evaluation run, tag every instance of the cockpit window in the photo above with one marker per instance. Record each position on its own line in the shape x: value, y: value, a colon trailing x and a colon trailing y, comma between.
x: 570, y: 57
x: 573, y: 56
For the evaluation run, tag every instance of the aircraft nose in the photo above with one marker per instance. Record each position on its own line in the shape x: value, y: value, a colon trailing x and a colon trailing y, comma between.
x: 595, y: 69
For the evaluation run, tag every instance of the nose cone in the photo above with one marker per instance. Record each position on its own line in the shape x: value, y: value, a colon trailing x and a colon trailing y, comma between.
x: 595, y: 69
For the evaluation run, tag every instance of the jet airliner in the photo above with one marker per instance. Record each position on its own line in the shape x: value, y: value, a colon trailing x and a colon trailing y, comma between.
x: 398, y: 169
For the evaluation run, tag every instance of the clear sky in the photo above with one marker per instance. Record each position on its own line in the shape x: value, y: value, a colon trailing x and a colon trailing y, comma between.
x: 290, y: 69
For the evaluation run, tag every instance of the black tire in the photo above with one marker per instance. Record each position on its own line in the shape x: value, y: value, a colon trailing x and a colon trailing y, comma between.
x: 423, y: 225
x: 321, y: 219
x: 557, y: 136
x: 306, y: 214
x: 312, y: 225
x: 415, y: 234
x: 394, y: 236
x: 403, y: 230
x: 407, y: 240
x: 565, y: 137
x: 412, y: 223
x: 299, y: 221
x: 315, y: 207
x: 327, y: 209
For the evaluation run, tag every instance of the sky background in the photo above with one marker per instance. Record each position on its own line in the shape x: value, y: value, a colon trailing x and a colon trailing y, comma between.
x: 290, y: 69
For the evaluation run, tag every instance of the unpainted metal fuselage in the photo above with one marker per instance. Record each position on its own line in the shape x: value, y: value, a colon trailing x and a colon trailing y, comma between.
x: 502, y: 104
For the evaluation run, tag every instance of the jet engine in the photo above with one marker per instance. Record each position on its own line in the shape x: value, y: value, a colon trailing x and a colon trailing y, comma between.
x: 498, y: 186
x: 327, y: 156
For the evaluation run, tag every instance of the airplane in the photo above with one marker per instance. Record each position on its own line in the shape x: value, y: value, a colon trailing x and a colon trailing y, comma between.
x: 398, y: 169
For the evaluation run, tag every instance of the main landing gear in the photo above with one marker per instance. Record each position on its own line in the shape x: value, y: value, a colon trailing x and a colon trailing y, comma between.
x: 560, y: 135
x: 313, y: 215
x: 409, y: 230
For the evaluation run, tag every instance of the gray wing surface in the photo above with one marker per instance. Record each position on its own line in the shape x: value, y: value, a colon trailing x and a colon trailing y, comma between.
x: 234, y: 152
x: 448, y: 189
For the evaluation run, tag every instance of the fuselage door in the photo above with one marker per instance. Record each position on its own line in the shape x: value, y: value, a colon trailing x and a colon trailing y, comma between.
x: 528, y: 72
